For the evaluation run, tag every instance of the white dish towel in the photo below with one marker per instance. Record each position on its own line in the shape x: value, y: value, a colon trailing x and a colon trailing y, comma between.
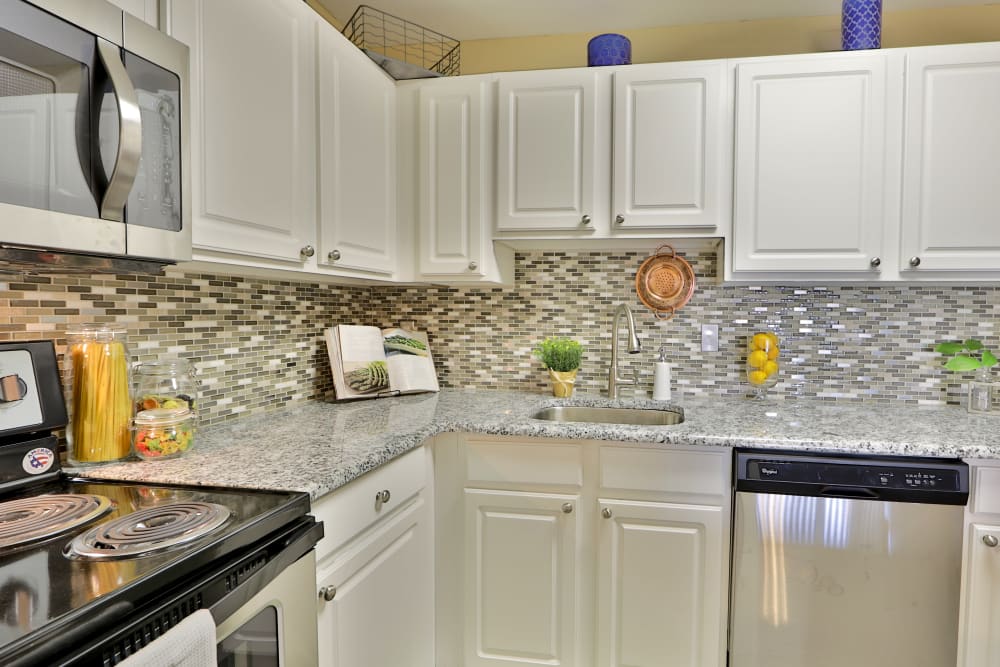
x: 190, y: 643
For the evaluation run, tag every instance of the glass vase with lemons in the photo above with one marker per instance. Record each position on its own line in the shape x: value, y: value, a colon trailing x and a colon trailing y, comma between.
x: 762, y: 362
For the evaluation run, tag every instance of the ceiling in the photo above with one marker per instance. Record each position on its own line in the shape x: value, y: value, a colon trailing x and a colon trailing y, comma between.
x: 484, y: 19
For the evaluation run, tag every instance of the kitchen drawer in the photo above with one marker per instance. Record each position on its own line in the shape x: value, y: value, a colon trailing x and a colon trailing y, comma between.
x: 985, y: 490
x: 351, y: 509
x: 684, y: 472
x: 507, y: 463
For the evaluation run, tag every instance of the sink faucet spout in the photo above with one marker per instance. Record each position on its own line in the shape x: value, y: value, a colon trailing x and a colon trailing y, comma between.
x: 634, y: 346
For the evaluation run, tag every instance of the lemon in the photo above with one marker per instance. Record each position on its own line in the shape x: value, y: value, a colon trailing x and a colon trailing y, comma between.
x: 770, y: 368
x: 757, y: 358
x: 772, y: 354
x: 757, y: 377
x: 761, y: 341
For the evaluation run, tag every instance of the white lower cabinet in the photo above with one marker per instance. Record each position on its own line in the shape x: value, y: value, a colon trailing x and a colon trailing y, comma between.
x: 580, y: 554
x: 375, y: 569
x: 659, y: 591
x: 521, y: 581
x: 979, y: 643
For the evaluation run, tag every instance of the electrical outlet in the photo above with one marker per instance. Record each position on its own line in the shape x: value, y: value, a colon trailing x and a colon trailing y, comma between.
x: 709, y: 337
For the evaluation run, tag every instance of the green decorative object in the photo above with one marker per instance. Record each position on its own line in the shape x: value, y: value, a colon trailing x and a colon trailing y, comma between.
x: 966, y: 356
x: 559, y: 354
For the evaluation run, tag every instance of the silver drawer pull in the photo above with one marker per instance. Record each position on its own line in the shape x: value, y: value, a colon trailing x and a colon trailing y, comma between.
x: 876, y: 262
x: 991, y: 541
x: 567, y: 508
x: 328, y: 593
x: 585, y: 220
x: 620, y: 219
x: 381, y: 498
x: 914, y: 262
x: 606, y: 513
x: 308, y: 251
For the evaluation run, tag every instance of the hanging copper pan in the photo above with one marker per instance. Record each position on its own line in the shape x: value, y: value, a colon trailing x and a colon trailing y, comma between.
x: 664, y: 282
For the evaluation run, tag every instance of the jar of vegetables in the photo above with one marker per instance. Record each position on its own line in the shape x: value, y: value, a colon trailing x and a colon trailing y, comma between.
x: 164, y: 383
x: 100, y: 404
x: 163, y: 433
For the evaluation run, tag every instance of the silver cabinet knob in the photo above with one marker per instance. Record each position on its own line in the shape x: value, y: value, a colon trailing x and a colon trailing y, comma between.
x: 914, y: 262
x: 991, y: 541
x: 585, y: 220
x: 606, y: 512
x: 567, y: 508
x: 381, y: 498
x: 876, y: 262
x: 334, y: 255
x: 473, y: 266
x: 308, y: 251
x: 328, y: 593
x: 620, y: 219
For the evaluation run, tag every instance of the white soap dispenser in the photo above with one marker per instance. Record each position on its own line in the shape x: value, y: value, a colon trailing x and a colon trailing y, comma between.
x: 661, y: 377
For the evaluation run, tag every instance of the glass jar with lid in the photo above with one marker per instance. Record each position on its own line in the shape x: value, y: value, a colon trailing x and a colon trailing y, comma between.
x: 99, y: 403
x: 165, y: 383
x: 163, y: 433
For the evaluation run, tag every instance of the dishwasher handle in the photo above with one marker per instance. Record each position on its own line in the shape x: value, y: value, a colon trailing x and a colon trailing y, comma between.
x: 862, y: 492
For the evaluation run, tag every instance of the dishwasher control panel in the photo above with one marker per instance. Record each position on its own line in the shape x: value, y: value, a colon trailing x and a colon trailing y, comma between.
x: 903, y: 479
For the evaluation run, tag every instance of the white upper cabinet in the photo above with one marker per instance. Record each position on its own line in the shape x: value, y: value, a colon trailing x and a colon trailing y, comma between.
x: 253, y: 126
x: 455, y: 167
x: 147, y: 10
x: 951, y: 172
x: 547, y: 176
x: 357, y: 166
x: 810, y: 164
x: 672, y: 146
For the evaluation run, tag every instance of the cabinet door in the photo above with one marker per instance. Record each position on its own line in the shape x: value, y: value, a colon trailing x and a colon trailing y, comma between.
x: 660, y: 573
x: 670, y: 146
x: 809, y: 164
x: 979, y: 628
x: 951, y: 202
x: 253, y: 124
x: 357, y: 173
x: 547, y: 125
x: 381, y: 607
x: 521, y: 555
x: 454, y: 219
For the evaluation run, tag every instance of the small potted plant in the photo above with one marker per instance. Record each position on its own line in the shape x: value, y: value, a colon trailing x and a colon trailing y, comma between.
x: 970, y: 355
x: 561, y: 356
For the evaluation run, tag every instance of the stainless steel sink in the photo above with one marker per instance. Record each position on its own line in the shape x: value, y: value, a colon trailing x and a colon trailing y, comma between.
x: 638, y: 416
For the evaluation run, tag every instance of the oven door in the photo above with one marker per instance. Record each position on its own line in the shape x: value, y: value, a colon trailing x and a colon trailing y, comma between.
x: 277, y: 626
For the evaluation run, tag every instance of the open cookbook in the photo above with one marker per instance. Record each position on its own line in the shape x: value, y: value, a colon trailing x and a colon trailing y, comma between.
x: 368, y: 362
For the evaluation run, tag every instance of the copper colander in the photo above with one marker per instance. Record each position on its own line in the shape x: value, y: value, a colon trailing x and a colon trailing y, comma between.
x: 664, y: 282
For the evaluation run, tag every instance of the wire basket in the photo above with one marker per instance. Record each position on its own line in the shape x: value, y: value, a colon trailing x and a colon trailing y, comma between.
x: 391, y: 37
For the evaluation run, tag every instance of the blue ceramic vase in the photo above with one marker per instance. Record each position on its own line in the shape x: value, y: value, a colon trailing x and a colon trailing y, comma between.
x: 609, y: 49
x: 861, y: 24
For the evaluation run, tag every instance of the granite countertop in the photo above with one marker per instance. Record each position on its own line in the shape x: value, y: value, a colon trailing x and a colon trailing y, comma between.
x: 317, y: 447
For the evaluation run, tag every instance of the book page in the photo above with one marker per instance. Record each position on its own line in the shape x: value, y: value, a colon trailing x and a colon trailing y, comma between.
x: 408, y: 356
x: 363, y: 368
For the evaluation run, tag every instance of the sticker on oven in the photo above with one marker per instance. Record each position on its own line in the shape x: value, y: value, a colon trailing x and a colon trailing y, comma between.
x: 38, y: 460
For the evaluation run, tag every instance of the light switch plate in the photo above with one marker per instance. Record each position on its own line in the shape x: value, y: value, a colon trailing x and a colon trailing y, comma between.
x: 709, y: 337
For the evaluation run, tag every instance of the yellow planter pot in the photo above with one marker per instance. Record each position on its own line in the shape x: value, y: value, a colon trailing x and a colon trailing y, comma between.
x: 562, y: 383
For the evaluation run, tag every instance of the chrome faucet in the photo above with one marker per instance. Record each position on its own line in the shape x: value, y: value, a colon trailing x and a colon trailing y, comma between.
x: 634, y: 346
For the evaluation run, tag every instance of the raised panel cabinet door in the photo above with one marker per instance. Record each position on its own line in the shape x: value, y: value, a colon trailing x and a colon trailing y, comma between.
x: 357, y: 167
x: 454, y: 216
x: 546, y: 123
x: 253, y: 125
x: 521, y: 590
x: 670, y: 146
x: 380, y: 609
x: 809, y: 164
x: 951, y: 202
x: 660, y: 574
x: 979, y: 626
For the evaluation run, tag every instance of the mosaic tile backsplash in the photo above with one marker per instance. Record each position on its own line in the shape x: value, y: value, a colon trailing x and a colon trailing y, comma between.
x: 258, y: 344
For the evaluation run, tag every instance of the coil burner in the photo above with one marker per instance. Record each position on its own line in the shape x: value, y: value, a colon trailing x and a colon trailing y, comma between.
x: 30, y: 520
x: 149, y: 531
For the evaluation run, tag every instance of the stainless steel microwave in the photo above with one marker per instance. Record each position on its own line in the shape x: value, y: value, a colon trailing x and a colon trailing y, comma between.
x: 93, y: 152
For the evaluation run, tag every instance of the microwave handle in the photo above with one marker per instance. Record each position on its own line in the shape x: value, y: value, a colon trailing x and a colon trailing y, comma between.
x: 129, y: 133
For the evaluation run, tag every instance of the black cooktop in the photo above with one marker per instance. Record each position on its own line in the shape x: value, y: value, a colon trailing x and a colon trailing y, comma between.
x: 43, y: 591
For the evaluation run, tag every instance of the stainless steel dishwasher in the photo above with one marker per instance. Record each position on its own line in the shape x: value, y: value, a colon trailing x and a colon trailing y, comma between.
x: 846, y: 561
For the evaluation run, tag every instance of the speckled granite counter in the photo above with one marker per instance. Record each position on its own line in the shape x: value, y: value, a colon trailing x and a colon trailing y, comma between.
x: 319, y: 446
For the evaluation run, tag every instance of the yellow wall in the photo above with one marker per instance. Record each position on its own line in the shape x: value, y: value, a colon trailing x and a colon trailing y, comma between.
x: 977, y: 23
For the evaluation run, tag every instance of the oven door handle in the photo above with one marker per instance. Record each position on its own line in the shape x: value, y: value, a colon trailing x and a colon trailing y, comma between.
x: 129, y: 133
x: 297, y: 546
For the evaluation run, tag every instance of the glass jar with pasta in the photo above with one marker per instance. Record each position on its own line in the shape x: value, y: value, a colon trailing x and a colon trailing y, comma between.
x: 100, y: 403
